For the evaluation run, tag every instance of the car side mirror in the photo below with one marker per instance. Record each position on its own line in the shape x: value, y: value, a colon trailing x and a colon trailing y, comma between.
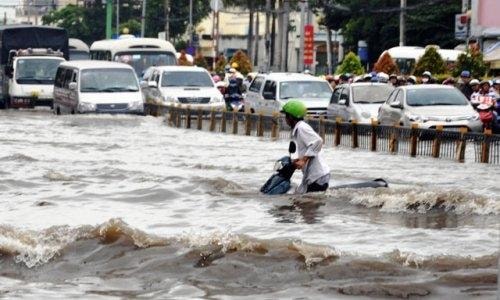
x: 342, y: 102
x: 268, y: 95
x: 143, y: 84
x: 9, y: 70
x: 152, y: 84
x: 396, y: 104
x: 72, y: 86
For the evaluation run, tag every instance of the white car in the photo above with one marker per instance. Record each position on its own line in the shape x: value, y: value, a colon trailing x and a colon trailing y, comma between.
x: 429, y: 106
x: 182, y: 85
x: 87, y: 86
x: 269, y: 92
x: 358, y: 101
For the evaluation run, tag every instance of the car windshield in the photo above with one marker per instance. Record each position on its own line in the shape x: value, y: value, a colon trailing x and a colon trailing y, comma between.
x: 37, y: 70
x: 186, y: 78
x: 78, y: 55
x: 371, y: 93
x: 429, y: 97
x: 304, y: 89
x: 108, y: 81
x: 140, y: 61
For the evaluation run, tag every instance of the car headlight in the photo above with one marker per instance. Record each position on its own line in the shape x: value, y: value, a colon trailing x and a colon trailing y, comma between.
x: 171, y: 99
x: 135, y: 105
x: 474, y: 117
x: 86, y: 106
x: 217, y: 99
x: 417, y: 118
x: 366, y: 115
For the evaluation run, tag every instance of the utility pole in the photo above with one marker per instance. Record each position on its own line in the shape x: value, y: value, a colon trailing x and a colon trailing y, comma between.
x: 167, y: 20
x: 267, y: 37
x: 190, y: 30
x: 109, y: 14
x: 284, y: 42
x: 117, y: 18
x: 300, y: 67
x: 143, y: 18
x: 402, y: 23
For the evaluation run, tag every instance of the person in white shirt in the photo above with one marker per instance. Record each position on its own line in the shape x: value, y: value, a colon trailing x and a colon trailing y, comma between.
x: 316, y: 173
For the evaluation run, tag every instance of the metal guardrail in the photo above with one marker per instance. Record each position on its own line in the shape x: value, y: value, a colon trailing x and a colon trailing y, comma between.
x: 437, y: 143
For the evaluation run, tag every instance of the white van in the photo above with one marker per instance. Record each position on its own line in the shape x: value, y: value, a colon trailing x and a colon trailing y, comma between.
x: 269, y: 92
x: 97, y: 87
x: 182, y: 85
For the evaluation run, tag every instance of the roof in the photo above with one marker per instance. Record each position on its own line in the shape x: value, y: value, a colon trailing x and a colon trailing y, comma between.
x: 181, y: 68
x: 78, y: 45
x: 426, y: 86
x: 94, y: 64
x: 291, y: 77
x: 144, y: 44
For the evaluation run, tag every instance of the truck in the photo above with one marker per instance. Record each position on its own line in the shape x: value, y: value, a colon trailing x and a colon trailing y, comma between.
x: 29, y: 58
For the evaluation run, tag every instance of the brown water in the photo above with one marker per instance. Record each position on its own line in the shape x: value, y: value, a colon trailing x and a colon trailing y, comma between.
x: 121, y: 207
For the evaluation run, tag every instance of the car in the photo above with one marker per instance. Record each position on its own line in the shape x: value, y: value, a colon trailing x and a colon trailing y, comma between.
x: 269, y: 92
x: 86, y: 86
x: 182, y: 85
x: 358, y: 101
x: 429, y: 106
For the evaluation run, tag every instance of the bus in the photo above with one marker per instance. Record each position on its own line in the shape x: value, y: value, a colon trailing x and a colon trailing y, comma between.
x: 140, y: 53
x: 78, y: 50
x: 406, y: 57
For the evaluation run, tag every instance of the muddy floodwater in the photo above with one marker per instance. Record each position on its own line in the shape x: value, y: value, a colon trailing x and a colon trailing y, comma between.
x: 113, y: 207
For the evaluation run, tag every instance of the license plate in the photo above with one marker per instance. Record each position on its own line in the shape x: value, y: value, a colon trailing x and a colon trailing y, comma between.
x: 21, y: 101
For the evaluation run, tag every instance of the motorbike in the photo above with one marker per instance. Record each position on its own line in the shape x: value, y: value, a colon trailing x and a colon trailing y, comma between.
x: 280, y: 182
x: 489, y: 117
x: 234, y: 97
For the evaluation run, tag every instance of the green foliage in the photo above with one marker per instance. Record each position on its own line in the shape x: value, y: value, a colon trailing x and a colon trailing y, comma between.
x: 133, y: 26
x: 377, y: 22
x: 87, y: 24
x: 200, y: 61
x: 244, y: 64
x: 351, y: 64
x: 471, y: 61
x: 386, y: 64
x: 220, y: 64
x: 431, y: 61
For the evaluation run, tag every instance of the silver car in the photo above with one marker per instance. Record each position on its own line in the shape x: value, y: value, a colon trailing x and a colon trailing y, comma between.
x: 429, y: 106
x: 358, y: 101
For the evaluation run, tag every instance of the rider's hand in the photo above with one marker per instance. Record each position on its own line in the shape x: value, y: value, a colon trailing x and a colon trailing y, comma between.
x: 300, y: 163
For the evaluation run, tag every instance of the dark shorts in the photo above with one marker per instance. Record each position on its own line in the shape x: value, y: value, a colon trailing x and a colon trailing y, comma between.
x: 314, y: 187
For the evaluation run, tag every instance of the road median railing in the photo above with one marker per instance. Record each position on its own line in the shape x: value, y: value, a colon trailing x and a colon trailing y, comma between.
x: 459, y: 145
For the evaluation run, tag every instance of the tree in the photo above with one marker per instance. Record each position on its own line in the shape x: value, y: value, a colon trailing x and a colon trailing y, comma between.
x: 220, y: 65
x: 386, y: 64
x: 244, y: 64
x: 431, y: 61
x: 351, y: 64
x: 133, y: 27
x: 85, y: 23
x: 200, y: 61
x: 472, y: 61
x: 377, y: 22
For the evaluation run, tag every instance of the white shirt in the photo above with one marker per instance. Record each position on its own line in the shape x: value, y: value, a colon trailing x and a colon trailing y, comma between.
x: 309, y: 143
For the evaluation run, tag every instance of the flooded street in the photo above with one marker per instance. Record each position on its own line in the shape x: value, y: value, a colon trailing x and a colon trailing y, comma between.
x: 104, y: 206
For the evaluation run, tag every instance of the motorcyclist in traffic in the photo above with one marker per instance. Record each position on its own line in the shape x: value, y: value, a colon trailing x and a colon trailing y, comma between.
x: 464, y: 84
x: 316, y: 173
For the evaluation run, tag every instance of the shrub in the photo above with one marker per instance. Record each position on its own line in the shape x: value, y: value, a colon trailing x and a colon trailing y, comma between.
x: 183, y: 61
x: 351, y: 64
x: 431, y: 61
x: 200, y: 61
x: 386, y: 64
x: 244, y: 64
x: 220, y: 64
x: 472, y: 61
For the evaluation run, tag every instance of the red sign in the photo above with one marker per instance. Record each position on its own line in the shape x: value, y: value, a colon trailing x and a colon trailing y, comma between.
x: 308, y: 44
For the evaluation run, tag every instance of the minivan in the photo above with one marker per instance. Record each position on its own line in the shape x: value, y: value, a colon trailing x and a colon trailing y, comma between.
x: 97, y: 87
x: 269, y: 92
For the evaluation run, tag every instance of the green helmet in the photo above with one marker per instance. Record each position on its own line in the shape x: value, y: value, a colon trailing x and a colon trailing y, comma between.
x: 295, y: 108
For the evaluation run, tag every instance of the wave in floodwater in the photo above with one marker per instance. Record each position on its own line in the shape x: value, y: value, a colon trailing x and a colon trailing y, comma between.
x: 227, y: 264
x: 419, y: 200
